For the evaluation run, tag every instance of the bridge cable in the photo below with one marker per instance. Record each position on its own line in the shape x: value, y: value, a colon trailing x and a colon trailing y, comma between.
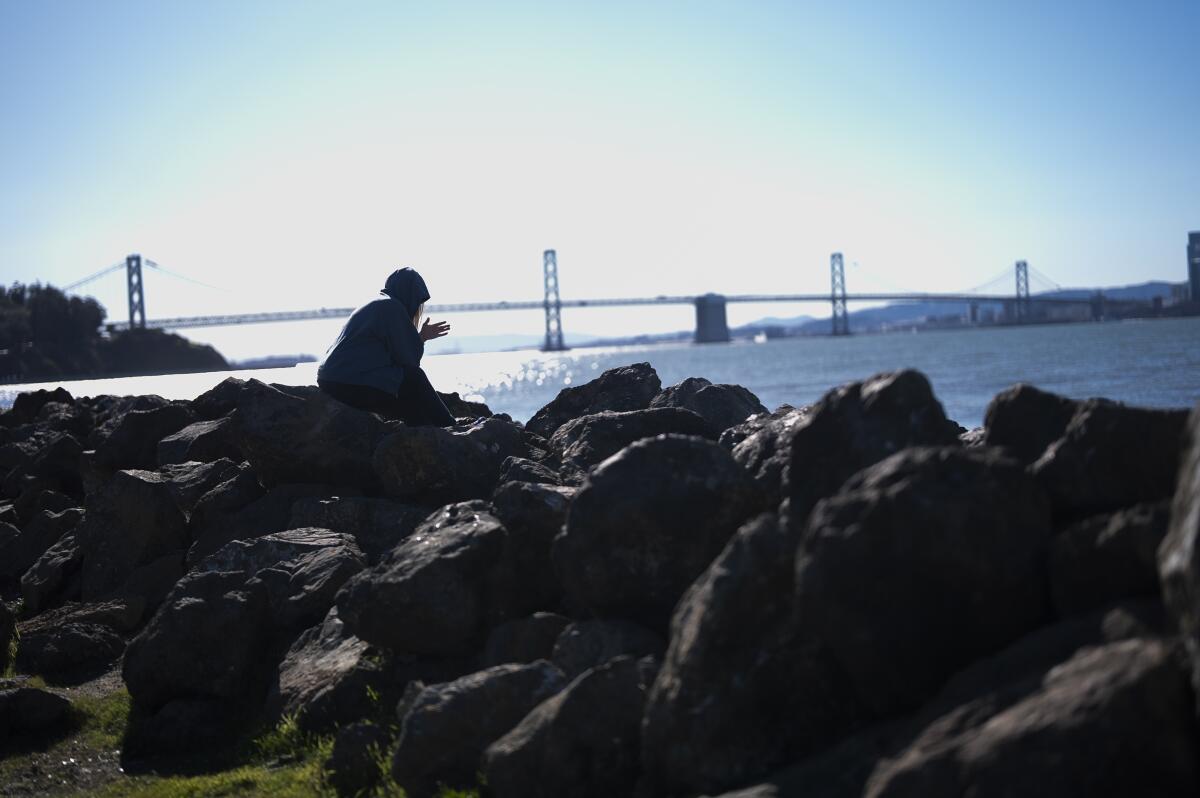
x: 178, y: 276
x: 95, y: 276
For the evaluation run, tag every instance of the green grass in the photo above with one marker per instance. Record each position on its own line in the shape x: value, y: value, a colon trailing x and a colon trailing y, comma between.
x: 103, y: 719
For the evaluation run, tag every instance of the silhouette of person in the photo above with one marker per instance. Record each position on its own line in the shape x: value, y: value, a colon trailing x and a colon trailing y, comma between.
x: 375, y: 363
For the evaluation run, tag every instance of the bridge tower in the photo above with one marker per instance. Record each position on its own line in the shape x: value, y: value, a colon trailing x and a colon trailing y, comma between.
x: 552, y: 304
x: 1193, y: 254
x: 1022, y: 305
x: 837, y: 295
x: 137, y: 296
x: 711, y: 324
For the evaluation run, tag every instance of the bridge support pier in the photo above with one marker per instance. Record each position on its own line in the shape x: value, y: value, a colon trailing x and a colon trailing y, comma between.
x: 711, y: 326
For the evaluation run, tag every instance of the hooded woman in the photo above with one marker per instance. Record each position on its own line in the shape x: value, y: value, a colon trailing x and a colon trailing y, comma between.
x: 375, y: 363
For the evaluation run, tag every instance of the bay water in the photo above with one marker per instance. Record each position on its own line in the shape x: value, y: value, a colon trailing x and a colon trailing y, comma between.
x: 1153, y: 363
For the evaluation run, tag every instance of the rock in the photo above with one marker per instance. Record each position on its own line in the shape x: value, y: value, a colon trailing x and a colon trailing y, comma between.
x: 110, y: 411
x: 57, y: 462
x: 28, y: 404
x: 68, y: 649
x: 524, y: 640
x: 133, y: 442
x: 190, y: 481
x: 970, y: 523
x: 630, y: 387
x: 585, y: 442
x: 1111, y: 456
x: 446, y: 727
x: 520, y: 469
x: 220, y: 400
x: 54, y: 578
x: 220, y: 518
x: 589, y: 644
x: 36, y: 500
x: 30, y: 711
x: 734, y: 435
x: 441, y: 588
x: 19, y: 553
x: 353, y: 766
x: 130, y: 521
x: 973, y: 438
x: 150, y: 583
x: 722, y: 406
x: 378, y: 525
x: 201, y: 441
x: 301, y: 569
x: 1107, y: 558
x: 184, y: 726
x: 205, y: 641
x: 647, y: 522
x: 1179, y: 553
x: 76, y: 419
x: 582, y: 742
x: 120, y: 615
x: 432, y: 465
x: 533, y: 515
x: 857, y: 425
x: 1114, y: 720
x: 1025, y: 420
x: 316, y: 439
x: 461, y: 408
x: 8, y: 628
x: 765, y: 449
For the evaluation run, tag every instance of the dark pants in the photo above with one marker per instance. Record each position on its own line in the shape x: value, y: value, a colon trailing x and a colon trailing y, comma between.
x: 416, y: 403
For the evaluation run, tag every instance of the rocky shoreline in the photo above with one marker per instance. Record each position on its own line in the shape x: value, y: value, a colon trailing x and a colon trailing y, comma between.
x: 640, y: 591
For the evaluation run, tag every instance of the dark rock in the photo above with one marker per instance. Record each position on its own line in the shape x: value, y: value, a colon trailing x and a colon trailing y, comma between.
x: 220, y: 400
x: 191, y: 481
x: 37, y: 500
x: 110, y: 412
x: 133, y: 442
x: 183, y: 726
x: 589, y: 644
x: 441, y: 588
x: 1111, y: 456
x: 971, y: 523
x: 765, y: 449
x: 630, y: 387
x: 521, y: 469
x: 19, y: 553
x: 432, y: 465
x: 301, y: 569
x: 533, y: 515
x: 378, y: 525
x: 722, y: 406
x: 317, y: 439
x: 353, y: 766
x: 1107, y: 558
x: 202, y: 441
x: 213, y: 525
x: 8, y: 627
x: 973, y: 438
x: 582, y: 742
x: 524, y: 639
x: 76, y: 419
x: 1113, y: 720
x: 30, y: 710
x: 54, y: 578
x: 1025, y: 420
x: 120, y: 615
x: 130, y: 521
x: 68, y: 649
x: 58, y: 460
x: 447, y: 726
x: 647, y: 522
x: 28, y: 404
x: 734, y: 435
x: 461, y: 408
x: 857, y: 425
x: 150, y: 583
x: 1179, y: 554
x: 587, y: 441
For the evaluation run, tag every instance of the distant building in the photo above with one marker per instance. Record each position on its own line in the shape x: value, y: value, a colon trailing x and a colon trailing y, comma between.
x: 1193, y: 252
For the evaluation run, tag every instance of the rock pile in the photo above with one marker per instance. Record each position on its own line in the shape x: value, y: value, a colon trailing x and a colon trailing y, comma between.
x: 642, y: 591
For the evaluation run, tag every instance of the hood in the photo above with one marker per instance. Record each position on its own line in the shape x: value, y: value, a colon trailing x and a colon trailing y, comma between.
x: 406, y: 286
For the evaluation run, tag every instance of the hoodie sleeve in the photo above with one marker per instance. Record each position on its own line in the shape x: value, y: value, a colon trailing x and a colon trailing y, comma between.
x: 403, y: 342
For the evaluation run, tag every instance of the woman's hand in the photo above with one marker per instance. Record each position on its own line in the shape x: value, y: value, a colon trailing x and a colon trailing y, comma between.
x: 434, y: 329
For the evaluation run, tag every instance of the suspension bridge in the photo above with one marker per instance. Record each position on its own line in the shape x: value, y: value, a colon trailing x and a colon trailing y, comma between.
x: 1019, y: 306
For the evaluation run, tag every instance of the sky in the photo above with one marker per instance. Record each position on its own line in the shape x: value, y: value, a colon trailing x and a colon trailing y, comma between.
x: 287, y: 156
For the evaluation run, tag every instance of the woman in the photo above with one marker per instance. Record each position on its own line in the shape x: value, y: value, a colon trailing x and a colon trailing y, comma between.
x: 375, y: 363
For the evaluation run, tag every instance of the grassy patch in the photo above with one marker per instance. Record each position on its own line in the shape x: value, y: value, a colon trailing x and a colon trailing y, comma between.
x: 102, y: 720
x: 297, y: 780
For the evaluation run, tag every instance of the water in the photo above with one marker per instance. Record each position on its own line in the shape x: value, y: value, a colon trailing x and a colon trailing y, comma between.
x: 1150, y: 363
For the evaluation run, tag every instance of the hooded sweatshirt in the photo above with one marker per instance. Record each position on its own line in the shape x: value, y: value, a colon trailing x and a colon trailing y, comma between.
x: 379, y: 340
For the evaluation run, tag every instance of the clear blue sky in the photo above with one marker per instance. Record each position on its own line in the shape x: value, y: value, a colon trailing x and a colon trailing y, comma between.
x: 292, y: 154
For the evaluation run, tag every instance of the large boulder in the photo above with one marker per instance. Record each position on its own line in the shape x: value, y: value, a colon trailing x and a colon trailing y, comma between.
x: 584, y: 645
x: 201, y: 441
x: 1114, y: 720
x: 54, y: 578
x: 762, y: 446
x: 28, y: 404
x: 583, y: 742
x: 523, y: 639
x: 1025, y: 420
x: 1108, y: 558
x: 191, y: 481
x: 378, y: 525
x: 445, y: 728
x: 585, y: 442
x: 30, y: 711
x: 1111, y: 456
x: 75, y: 418
x: 522, y: 469
x: 68, y: 650
x: 20, y: 552
x: 1179, y: 553
x: 722, y: 406
x: 442, y: 588
x: 8, y: 628
x: 647, y: 522
x: 315, y: 439
x: 133, y: 442
x: 630, y: 387
x: 220, y: 400
x: 432, y: 465
x: 534, y: 515
x: 238, y: 509
x: 857, y: 425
